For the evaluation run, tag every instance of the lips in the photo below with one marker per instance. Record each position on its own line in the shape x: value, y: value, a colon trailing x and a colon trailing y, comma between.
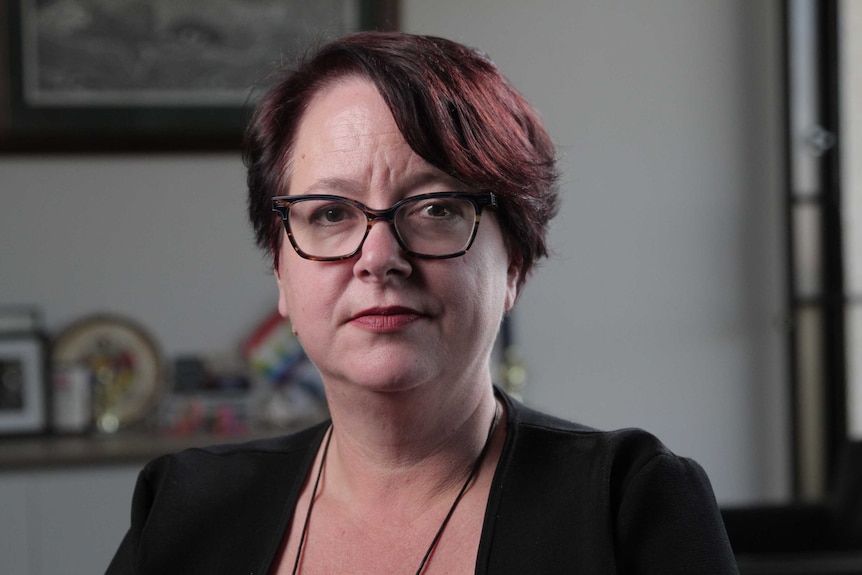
x: 386, y: 319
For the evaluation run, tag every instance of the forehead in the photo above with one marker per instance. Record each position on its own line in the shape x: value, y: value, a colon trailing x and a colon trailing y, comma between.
x: 343, y: 116
x: 348, y: 135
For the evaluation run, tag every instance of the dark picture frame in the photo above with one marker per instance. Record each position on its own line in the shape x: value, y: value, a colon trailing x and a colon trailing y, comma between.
x: 153, y: 75
x: 24, y: 397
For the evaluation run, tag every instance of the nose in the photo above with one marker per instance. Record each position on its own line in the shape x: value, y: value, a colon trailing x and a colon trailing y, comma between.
x: 381, y: 256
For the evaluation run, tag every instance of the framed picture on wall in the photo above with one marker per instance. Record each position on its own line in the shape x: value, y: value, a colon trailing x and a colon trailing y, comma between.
x: 23, y: 384
x: 104, y: 75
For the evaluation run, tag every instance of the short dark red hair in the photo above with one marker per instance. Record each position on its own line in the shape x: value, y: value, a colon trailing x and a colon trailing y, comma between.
x: 454, y: 109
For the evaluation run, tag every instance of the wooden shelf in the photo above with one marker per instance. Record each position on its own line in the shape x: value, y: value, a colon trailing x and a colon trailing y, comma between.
x: 125, y: 447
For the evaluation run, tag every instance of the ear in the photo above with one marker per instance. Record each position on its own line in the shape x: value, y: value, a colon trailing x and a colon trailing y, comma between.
x: 282, y: 293
x: 513, y: 281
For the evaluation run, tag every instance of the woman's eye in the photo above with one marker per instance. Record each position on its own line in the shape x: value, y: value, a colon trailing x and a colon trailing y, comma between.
x: 436, y: 210
x: 441, y: 209
x: 334, y: 214
x: 331, y: 215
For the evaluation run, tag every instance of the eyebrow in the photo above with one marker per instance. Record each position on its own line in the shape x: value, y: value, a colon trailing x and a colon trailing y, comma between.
x: 348, y: 187
x: 334, y: 185
x: 425, y: 177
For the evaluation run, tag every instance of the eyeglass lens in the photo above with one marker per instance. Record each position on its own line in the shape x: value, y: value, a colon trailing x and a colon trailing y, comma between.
x: 329, y: 228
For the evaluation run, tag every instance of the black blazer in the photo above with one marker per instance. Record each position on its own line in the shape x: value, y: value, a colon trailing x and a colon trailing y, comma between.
x: 565, y: 499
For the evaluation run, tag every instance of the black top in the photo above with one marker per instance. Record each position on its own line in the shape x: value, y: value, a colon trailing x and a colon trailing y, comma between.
x: 565, y: 499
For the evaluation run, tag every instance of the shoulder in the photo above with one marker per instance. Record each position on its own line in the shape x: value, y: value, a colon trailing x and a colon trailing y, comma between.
x: 181, y: 502
x: 591, y: 484
x: 622, y: 464
x: 181, y: 492
x: 629, y: 448
x: 236, y: 463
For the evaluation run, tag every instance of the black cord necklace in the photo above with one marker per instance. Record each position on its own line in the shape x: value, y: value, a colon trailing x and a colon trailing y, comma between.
x: 473, y: 472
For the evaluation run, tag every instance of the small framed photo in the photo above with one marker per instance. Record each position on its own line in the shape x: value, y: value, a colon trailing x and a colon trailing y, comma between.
x: 23, y: 385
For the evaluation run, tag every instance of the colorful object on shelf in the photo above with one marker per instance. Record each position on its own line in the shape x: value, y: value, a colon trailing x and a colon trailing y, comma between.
x: 274, y: 353
x: 276, y: 358
x: 125, y: 364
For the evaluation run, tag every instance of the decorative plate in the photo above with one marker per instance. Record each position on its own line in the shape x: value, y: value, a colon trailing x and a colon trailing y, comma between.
x: 125, y: 364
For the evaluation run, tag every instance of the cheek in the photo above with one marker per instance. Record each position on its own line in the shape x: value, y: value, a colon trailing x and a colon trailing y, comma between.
x: 477, y: 286
x: 491, y: 266
x: 293, y: 285
x: 309, y: 292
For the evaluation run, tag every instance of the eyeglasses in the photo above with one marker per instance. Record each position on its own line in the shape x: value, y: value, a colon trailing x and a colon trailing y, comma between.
x: 331, y: 228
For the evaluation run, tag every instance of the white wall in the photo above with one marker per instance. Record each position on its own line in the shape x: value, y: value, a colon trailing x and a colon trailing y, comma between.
x: 163, y: 239
x: 63, y: 521
x: 657, y: 309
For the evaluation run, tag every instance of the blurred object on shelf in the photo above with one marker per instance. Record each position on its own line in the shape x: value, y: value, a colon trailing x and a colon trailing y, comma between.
x: 20, y: 319
x: 293, y: 404
x: 126, y: 365
x: 24, y: 393
x: 210, y: 414
x: 71, y: 398
x: 290, y: 386
x: 211, y: 395
x: 216, y: 374
x: 511, y: 371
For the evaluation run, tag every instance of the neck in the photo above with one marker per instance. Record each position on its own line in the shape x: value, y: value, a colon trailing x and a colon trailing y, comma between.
x: 416, y: 444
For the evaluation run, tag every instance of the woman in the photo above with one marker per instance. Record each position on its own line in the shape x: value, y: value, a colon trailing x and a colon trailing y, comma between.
x: 403, y: 189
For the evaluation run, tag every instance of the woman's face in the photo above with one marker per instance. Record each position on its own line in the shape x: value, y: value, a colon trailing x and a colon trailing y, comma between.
x: 383, y: 319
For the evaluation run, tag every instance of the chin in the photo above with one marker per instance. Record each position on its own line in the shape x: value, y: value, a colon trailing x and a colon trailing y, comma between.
x: 389, y: 376
x: 392, y: 380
